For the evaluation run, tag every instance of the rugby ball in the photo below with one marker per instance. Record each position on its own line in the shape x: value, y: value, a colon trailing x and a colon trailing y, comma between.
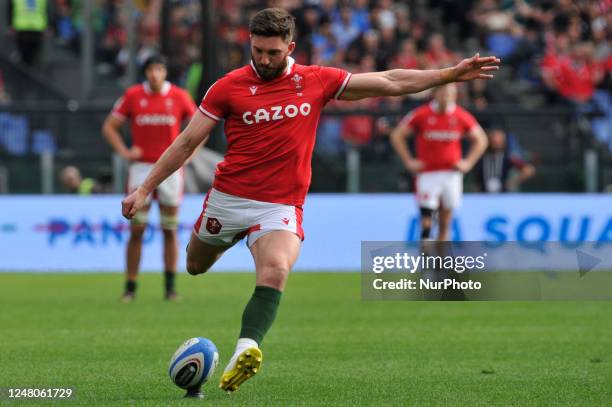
x: 193, y: 363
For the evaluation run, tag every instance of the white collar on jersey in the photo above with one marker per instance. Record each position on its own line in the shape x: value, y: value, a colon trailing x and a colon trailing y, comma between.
x: 450, y: 108
x: 164, y: 89
x: 290, y: 63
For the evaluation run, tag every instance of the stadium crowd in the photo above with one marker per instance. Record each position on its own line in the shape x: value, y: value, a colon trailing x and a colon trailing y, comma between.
x: 553, y: 51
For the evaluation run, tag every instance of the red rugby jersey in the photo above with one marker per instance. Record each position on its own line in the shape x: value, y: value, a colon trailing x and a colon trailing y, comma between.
x: 155, y: 118
x: 270, y: 128
x: 438, y: 134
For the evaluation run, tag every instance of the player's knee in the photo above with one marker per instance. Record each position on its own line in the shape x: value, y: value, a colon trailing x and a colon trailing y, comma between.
x: 169, y: 223
x: 195, y: 267
x: 141, y: 218
x: 274, y: 272
x: 426, y: 214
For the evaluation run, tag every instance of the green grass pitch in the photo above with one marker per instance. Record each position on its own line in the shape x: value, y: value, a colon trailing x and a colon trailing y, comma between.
x: 327, y: 346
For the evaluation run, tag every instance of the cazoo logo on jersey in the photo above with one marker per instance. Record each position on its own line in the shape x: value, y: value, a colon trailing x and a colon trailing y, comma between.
x: 155, y: 120
x: 276, y: 113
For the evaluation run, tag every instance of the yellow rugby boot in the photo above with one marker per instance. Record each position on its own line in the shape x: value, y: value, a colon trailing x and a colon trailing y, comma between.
x: 241, y: 368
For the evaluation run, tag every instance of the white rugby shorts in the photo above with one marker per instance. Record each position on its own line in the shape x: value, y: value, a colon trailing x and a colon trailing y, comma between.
x: 169, y: 192
x: 439, y: 187
x: 226, y: 219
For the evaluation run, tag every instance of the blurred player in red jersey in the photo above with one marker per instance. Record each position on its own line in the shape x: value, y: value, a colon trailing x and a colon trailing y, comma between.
x: 271, y: 109
x: 155, y: 110
x: 438, y: 166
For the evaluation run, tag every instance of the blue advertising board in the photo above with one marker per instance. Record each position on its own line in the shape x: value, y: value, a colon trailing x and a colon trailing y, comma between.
x: 73, y: 233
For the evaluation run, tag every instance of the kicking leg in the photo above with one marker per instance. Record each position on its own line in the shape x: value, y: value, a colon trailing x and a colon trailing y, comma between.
x: 201, y: 256
x: 274, y: 254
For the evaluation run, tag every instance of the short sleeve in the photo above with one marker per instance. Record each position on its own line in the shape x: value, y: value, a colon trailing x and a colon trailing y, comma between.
x: 467, y: 120
x: 334, y: 81
x: 189, y: 106
x: 215, y: 101
x: 121, y: 109
x: 410, y: 121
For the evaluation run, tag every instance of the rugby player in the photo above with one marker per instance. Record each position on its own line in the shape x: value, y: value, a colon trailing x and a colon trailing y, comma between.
x: 439, y: 166
x: 155, y: 111
x: 271, y: 108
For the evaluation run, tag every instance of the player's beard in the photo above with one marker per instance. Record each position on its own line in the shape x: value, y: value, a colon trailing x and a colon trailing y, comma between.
x: 267, y: 74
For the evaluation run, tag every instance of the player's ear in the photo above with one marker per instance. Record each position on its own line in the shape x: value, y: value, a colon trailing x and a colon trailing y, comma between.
x: 291, y: 47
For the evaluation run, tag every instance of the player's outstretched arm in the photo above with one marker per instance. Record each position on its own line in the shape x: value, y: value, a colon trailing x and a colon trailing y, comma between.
x: 195, y: 134
x: 397, y: 82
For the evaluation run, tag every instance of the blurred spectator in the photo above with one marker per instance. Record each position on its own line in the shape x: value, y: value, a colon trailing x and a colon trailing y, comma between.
x: 73, y: 182
x: 324, y: 43
x: 529, y: 46
x: 114, y: 38
x: 29, y: 20
x: 384, y: 15
x: 407, y: 56
x: 499, y: 170
x: 361, y: 15
x: 367, y: 44
x: 437, y: 54
x: 573, y: 76
x: 345, y: 29
x: 357, y: 130
x: 65, y: 29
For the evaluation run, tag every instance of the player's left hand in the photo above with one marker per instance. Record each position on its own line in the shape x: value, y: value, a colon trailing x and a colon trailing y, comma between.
x: 476, y: 67
x: 463, y: 166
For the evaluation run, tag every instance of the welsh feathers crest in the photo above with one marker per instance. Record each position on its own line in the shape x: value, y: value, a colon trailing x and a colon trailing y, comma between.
x: 298, y: 81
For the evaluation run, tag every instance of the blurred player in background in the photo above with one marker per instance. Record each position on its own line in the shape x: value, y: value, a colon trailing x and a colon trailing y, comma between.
x: 271, y: 110
x: 500, y: 170
x: 438, y: 166
x: 155, y: 110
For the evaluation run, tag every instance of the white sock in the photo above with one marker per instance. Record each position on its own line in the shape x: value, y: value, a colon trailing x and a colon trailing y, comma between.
x: 241, y: 345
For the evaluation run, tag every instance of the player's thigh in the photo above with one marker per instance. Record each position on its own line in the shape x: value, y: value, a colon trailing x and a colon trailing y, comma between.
x: 201, y: 255
x: 428, y: 190
x: 452, y: 191
x: 275, y: 253
x: 137, y: 174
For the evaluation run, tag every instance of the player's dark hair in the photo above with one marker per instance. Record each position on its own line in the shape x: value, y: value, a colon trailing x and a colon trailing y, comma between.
x: 273, y: 22
x: 155, y: 59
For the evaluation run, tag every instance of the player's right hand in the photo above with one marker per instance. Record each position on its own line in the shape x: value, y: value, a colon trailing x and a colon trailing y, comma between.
x: 414, y: 166
x: 133, y: 154
x: 133, y: 203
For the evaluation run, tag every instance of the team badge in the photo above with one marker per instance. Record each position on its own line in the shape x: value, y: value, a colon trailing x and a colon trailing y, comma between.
x: 143, y: 102
x: 213, y: 226
x: 298, y: 82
